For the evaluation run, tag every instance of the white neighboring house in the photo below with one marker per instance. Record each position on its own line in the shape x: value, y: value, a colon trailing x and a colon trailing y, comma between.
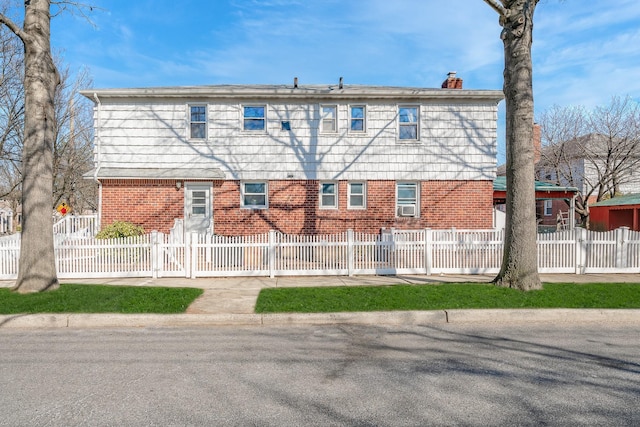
x: 594, y: 164
x: 6, y: 218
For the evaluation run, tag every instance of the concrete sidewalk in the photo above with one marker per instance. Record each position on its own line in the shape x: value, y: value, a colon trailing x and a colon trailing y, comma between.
x: 231, y: 301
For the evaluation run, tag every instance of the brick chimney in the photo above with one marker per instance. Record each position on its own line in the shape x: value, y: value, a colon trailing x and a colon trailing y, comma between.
x: 452, y: 81
x: 537, y: 143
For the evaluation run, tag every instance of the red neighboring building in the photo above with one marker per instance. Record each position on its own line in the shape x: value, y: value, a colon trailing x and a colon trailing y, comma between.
x: 621, y: 211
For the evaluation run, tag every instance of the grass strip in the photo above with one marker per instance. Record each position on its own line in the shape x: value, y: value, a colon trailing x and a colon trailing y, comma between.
x: 99, y: 299
x: 446, y: 296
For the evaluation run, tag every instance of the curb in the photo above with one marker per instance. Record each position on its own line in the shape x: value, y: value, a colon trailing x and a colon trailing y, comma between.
x: 496, y: 316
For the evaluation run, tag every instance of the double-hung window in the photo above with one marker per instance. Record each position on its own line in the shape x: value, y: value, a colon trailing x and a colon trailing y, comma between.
x: 548, y: 207
x: 357, y: 195
x: 407, y: 202
x: 254, y: 195
x: 329, y: 195
x: 328, y: 118
x: 408, y: 123
x: 253, y: 118
x: 358, y: 118
x: 197, y: 122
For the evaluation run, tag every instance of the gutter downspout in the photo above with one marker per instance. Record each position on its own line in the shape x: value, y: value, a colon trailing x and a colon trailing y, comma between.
x: 98, y: 159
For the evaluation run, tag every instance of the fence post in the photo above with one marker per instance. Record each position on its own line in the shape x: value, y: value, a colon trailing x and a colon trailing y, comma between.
x: 350, y: 252
x: 193, y: 241
x: 187, y: 255
x: 272, y: 253
x: 580, y: 250
x: 155, y: 260
x: 428, y: 251
x: 622, y: 237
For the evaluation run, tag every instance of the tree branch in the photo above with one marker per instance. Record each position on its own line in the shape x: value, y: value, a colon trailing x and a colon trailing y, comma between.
x: 75, y: 8
x: 15, y: 29
x: 498, y: 8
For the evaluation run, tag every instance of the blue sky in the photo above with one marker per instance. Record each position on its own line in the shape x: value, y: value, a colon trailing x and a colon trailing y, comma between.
x: 584, y: 52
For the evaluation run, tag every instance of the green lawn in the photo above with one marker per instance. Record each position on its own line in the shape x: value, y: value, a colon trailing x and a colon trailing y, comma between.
x: 99, y: 299
x: 446, y: 296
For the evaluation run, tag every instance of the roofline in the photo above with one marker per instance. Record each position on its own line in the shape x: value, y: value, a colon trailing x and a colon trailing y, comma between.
x: 156, y: 173
x: 288, y: 92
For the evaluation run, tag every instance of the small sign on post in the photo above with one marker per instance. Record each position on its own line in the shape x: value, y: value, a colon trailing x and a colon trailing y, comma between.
x: 63, y: 208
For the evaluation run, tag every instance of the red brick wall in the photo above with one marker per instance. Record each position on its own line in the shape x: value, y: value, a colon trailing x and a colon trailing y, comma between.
x: 294, y: 207
x: 152, y: 204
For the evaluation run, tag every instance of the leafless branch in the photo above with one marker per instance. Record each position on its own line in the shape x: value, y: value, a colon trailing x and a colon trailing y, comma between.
x: 8, y: 22
x: 498, y: 8
x: 75, y: 9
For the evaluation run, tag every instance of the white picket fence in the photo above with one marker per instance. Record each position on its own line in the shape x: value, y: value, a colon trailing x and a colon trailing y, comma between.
x: 76, y: 225
x: 274, y: 254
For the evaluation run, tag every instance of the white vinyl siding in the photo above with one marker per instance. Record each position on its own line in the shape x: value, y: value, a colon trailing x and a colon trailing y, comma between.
x: 458, y: 141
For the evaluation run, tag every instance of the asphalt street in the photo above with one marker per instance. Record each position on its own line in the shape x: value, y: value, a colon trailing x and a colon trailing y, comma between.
x: 331, y: 375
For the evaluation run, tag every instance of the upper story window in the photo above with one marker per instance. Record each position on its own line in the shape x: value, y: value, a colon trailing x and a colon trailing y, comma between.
x: 254, y: 118
x: 254, y: 195
x: 358, y: 116
x: 197, y: 122
x: 328, y: 118
x: 328, y: 195
x: 407, y: 202
x: 357, y: 195
x: 408, y: 123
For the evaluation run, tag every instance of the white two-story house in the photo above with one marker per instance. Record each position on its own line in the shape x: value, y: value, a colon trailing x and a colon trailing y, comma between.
x: 300, y: 159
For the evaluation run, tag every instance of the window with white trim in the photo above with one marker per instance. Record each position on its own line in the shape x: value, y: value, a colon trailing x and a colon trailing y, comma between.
x: 197, y: 122
x: 328, y: 118
x: 407, y: 202
x: 408, y: 123
x: 329, y: 195
x: 254, y: 195
x: 254, y: 118
x: 548, y: 207
x: 357, y: 195
x: 358, y: 115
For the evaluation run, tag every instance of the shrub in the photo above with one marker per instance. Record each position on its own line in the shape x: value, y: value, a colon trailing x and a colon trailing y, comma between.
x: 119, y: 229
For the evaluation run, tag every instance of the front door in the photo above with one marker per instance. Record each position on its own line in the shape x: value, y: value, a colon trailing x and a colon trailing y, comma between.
x: 197, y: 208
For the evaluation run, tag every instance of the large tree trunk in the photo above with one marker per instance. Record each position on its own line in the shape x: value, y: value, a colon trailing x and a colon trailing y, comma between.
x: 520, y: 262
x: 37, y: 269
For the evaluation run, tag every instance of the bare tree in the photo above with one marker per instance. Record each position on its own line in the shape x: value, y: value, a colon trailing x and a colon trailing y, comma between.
x: 37, y: 270
x: 520, y: 261
x: 73, y: 149
x: 11, y: 111
x: 73, y: 133
x: 614, y: 149
x: 595, y: 151
x: 11, y: 119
